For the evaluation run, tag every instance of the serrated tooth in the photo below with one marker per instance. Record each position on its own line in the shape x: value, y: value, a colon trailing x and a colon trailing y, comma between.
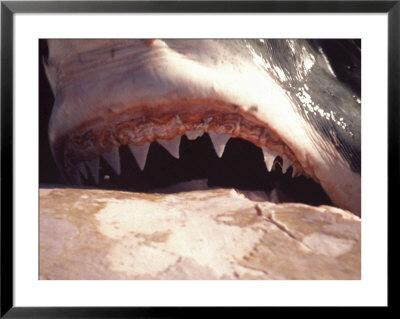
x: 93, y: 166
x: 193, y: 134
x: 140, y: 154
x: 82, y: 169
x: 219, y: 142
x: 286, y: 162
x: 112, y: 158
x: 269, y: 157
x: 172, y: 146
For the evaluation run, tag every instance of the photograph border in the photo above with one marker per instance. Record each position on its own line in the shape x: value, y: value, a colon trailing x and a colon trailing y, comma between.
x: 9, y: 8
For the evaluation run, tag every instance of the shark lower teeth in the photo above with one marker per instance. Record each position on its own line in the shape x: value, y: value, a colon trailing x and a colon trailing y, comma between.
x: 140, y: 152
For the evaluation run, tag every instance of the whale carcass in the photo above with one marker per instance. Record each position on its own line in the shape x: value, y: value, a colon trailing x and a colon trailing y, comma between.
x: 287, y: 99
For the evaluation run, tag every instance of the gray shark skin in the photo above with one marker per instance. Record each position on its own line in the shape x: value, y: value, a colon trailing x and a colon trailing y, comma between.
x: 289, y: 98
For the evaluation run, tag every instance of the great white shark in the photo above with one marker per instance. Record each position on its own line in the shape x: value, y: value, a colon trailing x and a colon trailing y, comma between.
x: 285, y: 96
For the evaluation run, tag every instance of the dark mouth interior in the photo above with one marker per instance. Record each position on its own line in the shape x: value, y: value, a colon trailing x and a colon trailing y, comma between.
x: 241, y: 167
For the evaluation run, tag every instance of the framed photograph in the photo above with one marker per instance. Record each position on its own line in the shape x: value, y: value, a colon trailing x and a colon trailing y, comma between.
x: 163, y: 155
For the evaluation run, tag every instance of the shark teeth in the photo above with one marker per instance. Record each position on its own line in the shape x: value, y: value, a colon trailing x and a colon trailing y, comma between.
x: 269, y: 157
x: 219, y: 142
x: 93, y: 166
x: 140, y: 154
x: 112, y: 158
x: 172, y: 146
x: 286, y: 162
x: 82, y: 169
x: 294, y: 172
x: 193, y: 134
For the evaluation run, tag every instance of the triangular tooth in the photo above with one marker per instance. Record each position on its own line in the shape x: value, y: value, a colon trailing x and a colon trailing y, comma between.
x: 93, y: 166
x: 294, y: 172
x: 140, y: 154
x: 112, y: 158
x: 286, y: 162
x: 172, y: 146
x: 82, y: 169
x: 269, y: 157
x: 193, y: 134
x: 219, y: 141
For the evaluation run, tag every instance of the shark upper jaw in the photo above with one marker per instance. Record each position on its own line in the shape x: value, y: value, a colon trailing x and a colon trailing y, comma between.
x: 164, y: 95
x: 167, y: 129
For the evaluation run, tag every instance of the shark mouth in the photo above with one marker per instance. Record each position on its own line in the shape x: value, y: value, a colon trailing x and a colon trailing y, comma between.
x: 181, y: 152
x: 168, y: 116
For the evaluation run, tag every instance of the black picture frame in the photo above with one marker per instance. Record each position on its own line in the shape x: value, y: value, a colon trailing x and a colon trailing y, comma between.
x: 9, y: 8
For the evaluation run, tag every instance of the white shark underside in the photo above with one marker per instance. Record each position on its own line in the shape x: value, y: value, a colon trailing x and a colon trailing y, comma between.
x: 133, y: 92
